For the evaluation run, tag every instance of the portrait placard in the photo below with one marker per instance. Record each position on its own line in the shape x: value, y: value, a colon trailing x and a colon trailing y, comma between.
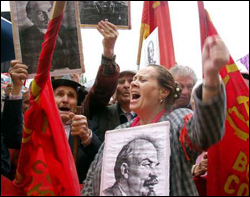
x: 150, y: 50
x: 117, y: 12
x: 29, y: 24
x: 136, y: 161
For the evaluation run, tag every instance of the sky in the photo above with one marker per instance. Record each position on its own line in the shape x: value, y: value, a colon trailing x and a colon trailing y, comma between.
x: 231, y: 18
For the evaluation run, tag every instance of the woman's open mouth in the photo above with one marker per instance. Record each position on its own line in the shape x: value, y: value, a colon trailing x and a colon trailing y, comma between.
x: 135, y: 96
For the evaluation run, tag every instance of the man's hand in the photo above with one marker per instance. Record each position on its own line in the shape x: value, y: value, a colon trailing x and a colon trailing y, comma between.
x: 215, y: 55
x: 110, y: 34
x: 18, y: 72
x: 79, y: 126
x: 201, y: 168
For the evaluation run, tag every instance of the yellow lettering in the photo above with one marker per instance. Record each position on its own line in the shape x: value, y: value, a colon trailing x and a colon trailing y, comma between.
x: 238, y: 114
x: 232, y: 68
x: 226, y: 80
x: 244, y: 188
x: 156, y: 4
x: 241, y: 134
x: 241, y: 162
x: 35, y: 169
x: 228, y: 183
x: 36, y: 188
x: 244, y: 100
x: 26, y: 140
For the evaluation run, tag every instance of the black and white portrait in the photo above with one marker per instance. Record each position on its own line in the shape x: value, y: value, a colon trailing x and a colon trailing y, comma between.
x: 150, y: 50
x: 117, y: 12
x: 135, y: 161
x: 30, y: 20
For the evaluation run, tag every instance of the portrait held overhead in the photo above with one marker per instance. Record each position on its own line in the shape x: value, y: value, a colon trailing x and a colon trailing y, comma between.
x: 117, y: 12
x: 31, y: 19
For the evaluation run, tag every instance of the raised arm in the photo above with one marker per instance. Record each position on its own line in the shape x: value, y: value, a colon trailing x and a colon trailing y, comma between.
x: 207, y: 125
x: 107, y: 76
x: 12, y: 114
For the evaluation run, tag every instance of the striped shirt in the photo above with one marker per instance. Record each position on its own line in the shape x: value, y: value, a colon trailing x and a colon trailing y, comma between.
x: 205, y: 128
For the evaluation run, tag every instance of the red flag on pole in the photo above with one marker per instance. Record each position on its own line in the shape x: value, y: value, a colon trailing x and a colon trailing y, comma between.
x: 156, y: 14
x: 46, y: 165
x: 228, y: 161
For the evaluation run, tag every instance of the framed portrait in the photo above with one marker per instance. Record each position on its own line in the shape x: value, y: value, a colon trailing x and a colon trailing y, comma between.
x: 150, y: 50
x: 29, y: 24
x: 136, y: 161
x: 117, y: 12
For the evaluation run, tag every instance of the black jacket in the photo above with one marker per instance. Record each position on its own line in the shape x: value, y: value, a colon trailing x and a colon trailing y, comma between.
x: 11, y: 131
x: 87, y: 154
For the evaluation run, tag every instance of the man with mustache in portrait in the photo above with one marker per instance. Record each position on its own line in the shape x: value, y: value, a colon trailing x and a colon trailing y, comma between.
x: 135, y: 170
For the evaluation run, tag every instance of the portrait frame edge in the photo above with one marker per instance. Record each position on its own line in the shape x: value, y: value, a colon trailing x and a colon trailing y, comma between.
x: 17, y: 44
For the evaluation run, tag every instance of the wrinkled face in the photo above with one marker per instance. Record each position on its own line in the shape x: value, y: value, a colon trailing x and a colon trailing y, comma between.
x: 187, y: 85
x: 123, y: 89
x: 145, y: 91
x: 66, y: 100
x: 41, y: 14
x: 142, y: 172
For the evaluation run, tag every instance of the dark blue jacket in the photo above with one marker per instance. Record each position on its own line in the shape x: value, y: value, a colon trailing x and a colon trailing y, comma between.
x: 11, y: 131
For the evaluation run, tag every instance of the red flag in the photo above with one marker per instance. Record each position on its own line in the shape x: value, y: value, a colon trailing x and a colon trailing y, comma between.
x: 228, y: 161
x: 156, y: 14
x: 46, y: 165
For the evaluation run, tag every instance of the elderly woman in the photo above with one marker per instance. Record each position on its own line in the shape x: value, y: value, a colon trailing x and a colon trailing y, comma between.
x: 153, y: 92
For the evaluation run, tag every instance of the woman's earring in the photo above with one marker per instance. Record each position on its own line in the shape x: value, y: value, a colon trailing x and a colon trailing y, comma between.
x: 161, y: 101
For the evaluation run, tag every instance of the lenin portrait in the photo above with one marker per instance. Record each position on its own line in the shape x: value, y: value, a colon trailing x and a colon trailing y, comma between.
x: 135, y: 170
x: 31, y: 20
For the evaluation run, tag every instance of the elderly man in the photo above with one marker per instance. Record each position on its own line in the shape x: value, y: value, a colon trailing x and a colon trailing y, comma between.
x: 110, y: 117
x: 186, y: 78
x: 135, y: 170
x: 66, y: 95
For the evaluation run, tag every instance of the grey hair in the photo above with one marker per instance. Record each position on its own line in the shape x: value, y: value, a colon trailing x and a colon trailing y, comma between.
x: 184, y: 71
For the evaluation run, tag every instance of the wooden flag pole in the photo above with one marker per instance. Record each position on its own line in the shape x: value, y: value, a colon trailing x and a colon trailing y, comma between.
x: 58, y: 8
x: 140, y: 45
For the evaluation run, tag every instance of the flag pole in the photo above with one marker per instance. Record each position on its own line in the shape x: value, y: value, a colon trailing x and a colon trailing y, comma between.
x: 140, y: 45
x: 58, y: 8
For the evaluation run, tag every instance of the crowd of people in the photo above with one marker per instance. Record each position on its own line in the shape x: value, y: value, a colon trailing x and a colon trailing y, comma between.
x: 153, y: 94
